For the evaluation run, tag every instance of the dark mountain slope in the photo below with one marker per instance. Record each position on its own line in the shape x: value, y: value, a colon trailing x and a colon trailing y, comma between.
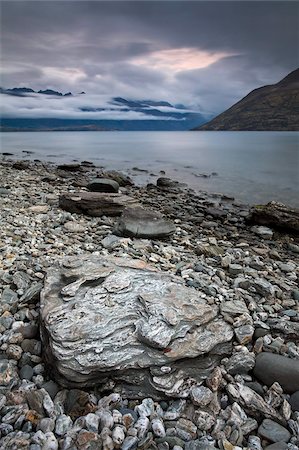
x: 269, y: 108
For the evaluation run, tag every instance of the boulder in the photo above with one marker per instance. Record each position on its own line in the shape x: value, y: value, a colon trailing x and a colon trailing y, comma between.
x: 103, y: 185
x: 120, y: 178
x: 270, y: 367
x: 275, y: 215
x: 118, y: 322
x: 73, y: 167
x: 164, y: 182
x: 95, y: 204
x: 143, y: 223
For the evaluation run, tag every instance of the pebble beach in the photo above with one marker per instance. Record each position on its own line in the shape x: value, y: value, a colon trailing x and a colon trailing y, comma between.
x: 249, y: 273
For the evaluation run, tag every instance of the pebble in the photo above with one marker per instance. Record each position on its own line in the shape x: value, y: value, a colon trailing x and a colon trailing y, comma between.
x: 201, y: 396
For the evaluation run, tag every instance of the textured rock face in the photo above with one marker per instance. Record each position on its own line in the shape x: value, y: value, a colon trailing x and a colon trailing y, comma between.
x: 139, y: 222
x: 276, y: 215
x: 121, y: 323
x: 96, y: 204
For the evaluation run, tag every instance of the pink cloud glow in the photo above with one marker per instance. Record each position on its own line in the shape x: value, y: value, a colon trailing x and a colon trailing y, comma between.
x: 179, y: 59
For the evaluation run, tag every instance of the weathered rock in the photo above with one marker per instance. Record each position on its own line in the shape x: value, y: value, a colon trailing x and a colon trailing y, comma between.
x: 103, y: 185
x: 96, y: 204
x: 273, y: 432
x: 77, y: 403
x: 240, y: 362
x: 270, y: 367
x: 122, y: 319
x: 8, y: 374
x: 252, y: 402
x: 276, y: 215
x: 143, y: 223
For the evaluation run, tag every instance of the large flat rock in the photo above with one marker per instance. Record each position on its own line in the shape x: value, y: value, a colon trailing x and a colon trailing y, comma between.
x: 120, y: 321
x: 144, y: 223
x: 276, y: 215
x: 96, y: 204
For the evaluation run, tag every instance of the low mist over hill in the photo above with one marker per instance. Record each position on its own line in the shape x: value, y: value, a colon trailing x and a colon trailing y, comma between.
x: 25, y: 109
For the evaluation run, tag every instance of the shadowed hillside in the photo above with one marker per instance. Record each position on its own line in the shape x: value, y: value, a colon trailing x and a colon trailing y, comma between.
x: 269, y: 108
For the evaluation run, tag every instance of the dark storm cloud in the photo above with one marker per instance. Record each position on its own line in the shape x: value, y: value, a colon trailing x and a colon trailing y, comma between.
x: 205, y: 54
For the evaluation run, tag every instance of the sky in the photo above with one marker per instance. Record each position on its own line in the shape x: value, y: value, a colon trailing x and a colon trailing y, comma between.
x: 203, y: 54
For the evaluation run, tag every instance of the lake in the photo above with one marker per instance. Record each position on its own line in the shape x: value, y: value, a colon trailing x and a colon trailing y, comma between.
x: 254, y: 167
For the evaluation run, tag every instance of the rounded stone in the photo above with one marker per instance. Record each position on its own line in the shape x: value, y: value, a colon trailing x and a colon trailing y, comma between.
x: 51, y: 387
x: 273, y: 432
x: 294, y: 401
x: 270, y: 367
x: 277, y: 446
x: 103, y: 185
x: 26, y: 372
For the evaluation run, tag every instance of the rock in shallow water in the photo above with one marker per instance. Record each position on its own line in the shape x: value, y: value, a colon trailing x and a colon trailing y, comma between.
x: 121, y: 319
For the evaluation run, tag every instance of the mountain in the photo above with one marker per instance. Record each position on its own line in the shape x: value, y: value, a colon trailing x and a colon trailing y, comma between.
x: 268, y: 108
x: 21, y: 92
x: 122, y: 114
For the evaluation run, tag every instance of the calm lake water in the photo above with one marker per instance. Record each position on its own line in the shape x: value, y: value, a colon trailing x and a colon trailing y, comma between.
x: 254, y: 167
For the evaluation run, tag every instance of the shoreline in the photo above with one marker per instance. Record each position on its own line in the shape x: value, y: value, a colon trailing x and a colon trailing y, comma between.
x: 214, y: 252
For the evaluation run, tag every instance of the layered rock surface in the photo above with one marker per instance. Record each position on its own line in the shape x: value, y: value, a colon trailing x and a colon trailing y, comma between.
x: 276, y: 215
x: 96, y: 204
x: 121, y: 321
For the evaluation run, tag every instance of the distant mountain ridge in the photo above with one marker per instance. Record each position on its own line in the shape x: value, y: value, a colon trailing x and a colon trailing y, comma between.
x: 21, y: 92
x: 269, y: 108
x: 153, y: 115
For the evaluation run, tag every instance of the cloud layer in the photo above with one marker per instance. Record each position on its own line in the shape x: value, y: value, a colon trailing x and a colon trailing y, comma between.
x: 205, y: 54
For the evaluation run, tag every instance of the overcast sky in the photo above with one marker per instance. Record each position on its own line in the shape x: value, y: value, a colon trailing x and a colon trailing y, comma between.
x: 204, y: 54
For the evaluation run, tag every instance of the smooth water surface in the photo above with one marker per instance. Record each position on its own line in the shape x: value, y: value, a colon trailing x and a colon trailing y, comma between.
x: 254, y: 167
